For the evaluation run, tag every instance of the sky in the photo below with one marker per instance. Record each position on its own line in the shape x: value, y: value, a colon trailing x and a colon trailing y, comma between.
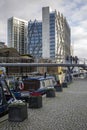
x: 75, y: 12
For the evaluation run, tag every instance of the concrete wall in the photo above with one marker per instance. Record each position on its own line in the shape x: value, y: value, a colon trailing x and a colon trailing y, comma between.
x: 45, y: 33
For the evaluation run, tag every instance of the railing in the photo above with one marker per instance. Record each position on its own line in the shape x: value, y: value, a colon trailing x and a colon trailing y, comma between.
x: 13, y: 59
x: 17, y: 62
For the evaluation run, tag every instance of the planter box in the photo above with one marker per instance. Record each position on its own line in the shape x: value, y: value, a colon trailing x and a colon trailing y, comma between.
x: 50, y: 93
x: 35, y: 102
x: 64, y: 85
x: 58, y: 88
x: 17, y: 113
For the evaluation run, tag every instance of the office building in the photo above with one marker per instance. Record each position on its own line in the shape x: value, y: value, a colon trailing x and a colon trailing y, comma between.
x: 2, y: 45
x: 35, y: 38
x: 17, y: 34
x: 49, y: 38
x: 55, y: 35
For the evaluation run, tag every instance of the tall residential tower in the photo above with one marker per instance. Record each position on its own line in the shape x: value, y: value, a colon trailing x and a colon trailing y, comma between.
x: 17, y: 34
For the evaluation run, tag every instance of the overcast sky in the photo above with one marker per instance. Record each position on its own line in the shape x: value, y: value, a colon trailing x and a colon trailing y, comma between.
x: 75, y: 12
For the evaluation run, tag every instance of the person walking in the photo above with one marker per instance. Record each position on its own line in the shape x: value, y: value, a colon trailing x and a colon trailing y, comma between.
x: 17, y: 85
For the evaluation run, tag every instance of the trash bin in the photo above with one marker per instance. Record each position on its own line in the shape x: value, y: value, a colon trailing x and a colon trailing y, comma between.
x: 17, y: 112
x: 35, y: 102
x: 50, y: 92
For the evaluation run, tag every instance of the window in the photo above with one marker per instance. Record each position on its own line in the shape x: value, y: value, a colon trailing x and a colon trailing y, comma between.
x: 43, y: 83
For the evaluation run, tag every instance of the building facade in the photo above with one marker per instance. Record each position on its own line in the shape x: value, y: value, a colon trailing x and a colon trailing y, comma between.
x: 2, y: 45
x: 55, y: 35
x: 35, y: 38
x: 50, y: 38
x: 45, y: 33
x: 17, y: 34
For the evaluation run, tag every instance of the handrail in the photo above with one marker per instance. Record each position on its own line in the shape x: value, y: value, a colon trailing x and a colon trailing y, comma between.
x: 43, y: 64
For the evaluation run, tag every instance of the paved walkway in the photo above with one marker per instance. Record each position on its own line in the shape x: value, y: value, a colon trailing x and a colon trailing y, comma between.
x: 67, y: 111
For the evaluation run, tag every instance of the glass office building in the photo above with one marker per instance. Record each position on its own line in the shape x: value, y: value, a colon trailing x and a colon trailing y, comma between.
x: 35, y: 38
x: 52, y: 35
x: 55, y: 35
x: 49, y: 38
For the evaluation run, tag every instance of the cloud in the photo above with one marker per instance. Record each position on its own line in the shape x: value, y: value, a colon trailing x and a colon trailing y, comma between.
x: 3, y: 31
x: 81, y: 50
x: 80, y: 46
x: 77, y: 18
x: 79, y: 39
x: 79, y: 32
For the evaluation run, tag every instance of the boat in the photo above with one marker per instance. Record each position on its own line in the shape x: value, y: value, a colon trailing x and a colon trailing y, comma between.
x: 6, y: 97
x: 38, y: 85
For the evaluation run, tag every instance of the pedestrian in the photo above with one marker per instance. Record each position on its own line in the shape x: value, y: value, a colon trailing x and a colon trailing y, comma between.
x: 76, y: 59
x: 45, y: 75
x: 17, y: 85
x: 67, y: 59
x: 71, y: 59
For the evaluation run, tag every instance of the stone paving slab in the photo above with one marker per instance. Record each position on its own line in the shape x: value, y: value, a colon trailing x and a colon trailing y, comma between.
x: 66, y: 111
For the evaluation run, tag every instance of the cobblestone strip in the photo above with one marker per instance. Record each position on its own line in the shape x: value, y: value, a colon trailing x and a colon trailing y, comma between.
x: 67, y: 111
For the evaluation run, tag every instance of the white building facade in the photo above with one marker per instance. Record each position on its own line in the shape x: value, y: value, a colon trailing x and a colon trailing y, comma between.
x: 17, y: 34
x: 45, y: 33
x: 56, y: 36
